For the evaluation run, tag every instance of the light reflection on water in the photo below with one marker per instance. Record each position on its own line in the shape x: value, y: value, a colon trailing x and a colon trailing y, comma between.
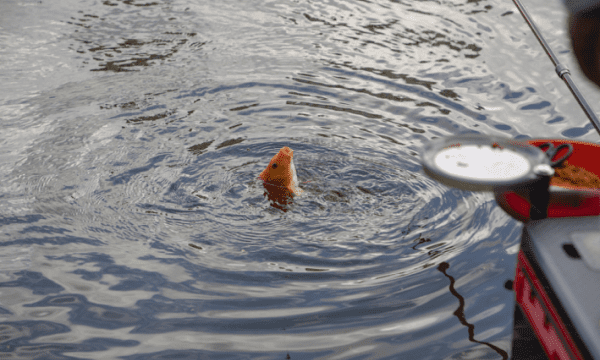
x: 133, y: 222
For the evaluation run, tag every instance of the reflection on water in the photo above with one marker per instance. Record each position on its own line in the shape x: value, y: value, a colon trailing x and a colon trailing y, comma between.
x: 460, y: 312
x: 133, y: 222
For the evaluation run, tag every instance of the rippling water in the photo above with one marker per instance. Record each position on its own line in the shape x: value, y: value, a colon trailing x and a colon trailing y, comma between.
x: 133, y: 225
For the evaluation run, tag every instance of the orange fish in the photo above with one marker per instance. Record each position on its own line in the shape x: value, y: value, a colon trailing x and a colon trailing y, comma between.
x: 280, y: 178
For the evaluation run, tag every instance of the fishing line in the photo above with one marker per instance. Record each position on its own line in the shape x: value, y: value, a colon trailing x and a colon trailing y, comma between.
x: 561, y: 70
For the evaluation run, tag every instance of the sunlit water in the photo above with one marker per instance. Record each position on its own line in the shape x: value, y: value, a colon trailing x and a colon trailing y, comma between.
x: 133, y: 225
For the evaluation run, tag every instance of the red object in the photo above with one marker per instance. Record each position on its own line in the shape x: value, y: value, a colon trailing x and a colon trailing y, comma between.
x: 565, y: 201
x: 542, y: 315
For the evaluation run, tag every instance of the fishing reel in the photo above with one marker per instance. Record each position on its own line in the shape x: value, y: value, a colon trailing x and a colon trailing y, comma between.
x: 521, y: 173
x: 482, y: 163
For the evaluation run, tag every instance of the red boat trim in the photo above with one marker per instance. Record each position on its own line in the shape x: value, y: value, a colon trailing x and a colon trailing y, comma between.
x: 542, y: 315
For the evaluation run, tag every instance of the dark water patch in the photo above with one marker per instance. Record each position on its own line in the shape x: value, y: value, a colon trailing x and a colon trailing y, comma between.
x: 44, y: 229
x: 576, y: 132
x: 335, y: 108
x: 134, y: 279
x: 34, y: 281
x: 503, y: 127
x: 167, y: 248
x: 513, y: 95
x: 128, y: 2
x: 202, y: 92
x: 98, y: 316
x: 450, y: 94
x: 149, y: 108
x: 230, y: 142
x: 200, y: 148
x: 126, y: 176
x: 125, y: 106
x: 24, y: 219
x: 387, y: 96
x: 536, y: 106
x: 4, y: 311
x: 150, y: 118
x: 217, y: 355
x: 556, y: 119
x: 244, y: 107
x: 17, y: 333
x: 43, y: 350
x: 52, y: 240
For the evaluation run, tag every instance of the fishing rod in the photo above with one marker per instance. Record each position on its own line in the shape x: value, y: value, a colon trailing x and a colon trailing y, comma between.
x: 561, y: 70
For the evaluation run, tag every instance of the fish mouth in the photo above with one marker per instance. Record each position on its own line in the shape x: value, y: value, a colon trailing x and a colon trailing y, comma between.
x: 287, y: 151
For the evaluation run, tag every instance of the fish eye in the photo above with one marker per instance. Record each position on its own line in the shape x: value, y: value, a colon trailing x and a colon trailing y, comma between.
x: 274, y: 166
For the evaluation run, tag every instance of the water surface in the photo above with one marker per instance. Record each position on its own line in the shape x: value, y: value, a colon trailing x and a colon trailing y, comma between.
x: 133, y: 224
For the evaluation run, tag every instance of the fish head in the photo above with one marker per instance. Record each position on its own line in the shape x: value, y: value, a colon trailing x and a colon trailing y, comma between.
x: 281, y: 171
